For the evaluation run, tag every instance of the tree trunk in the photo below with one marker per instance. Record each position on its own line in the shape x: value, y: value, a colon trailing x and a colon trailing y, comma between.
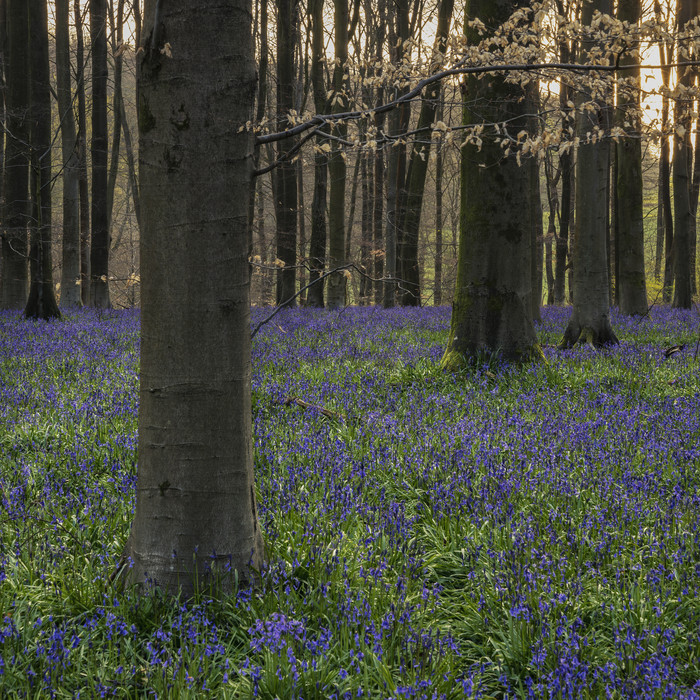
x: 492, y: 310
x: 410, y: 294
x: 286, y: 175
x: 396, y: 160
x: 336, y: 164
x: 665, y: 53
x: 682, y: 163
x: 99, y: 249
x: 630, y: 282
x: 195, y: 520
x: 70, y: 268
x: 82, y: 158
x: 590, y: 320
x: 437, y: 294
x: 42, y: 300
x: 365, y: 229
x: 317, y: 244
x: 17, y: 158
x: 117, y: 27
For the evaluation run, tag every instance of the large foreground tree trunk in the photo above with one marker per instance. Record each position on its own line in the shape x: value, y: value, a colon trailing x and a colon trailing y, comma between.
x: 17, y: 158
x: 590, y: 320
x: 492, y: 310
x: 195, y: 516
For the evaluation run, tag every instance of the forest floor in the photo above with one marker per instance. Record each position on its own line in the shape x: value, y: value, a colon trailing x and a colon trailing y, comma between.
x: 506, y: 532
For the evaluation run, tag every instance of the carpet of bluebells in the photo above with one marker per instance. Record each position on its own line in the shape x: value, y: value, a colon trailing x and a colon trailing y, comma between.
x: 507, y: 532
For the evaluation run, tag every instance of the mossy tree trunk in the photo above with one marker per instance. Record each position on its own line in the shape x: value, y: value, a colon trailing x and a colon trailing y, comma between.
x: 492, y: 310
x: 195, y: 520
x: 590, y: 320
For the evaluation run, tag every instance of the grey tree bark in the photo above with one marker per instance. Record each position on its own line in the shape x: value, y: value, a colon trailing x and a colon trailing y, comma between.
x: 682, y: 166
x: 590, y: 320
x: 630, y: 282
x: 83, y: 188
x: 42, y: 299
x: 285, y: 177
x: 195, y: 519
x: 17, y: 158
x: 99, y: 248
x: 317, y: 243
x: 70, y: 254
x: 336, y: 164
x: 492, y: 309
x: 410, y: 293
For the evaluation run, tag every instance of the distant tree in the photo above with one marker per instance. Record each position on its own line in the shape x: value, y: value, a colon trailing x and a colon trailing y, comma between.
x: 42, y: 299
x: 196, y: 509
x: 99, y: 248
x: 17, y: 158
x: 70, y: 258
x: 492, y: 309
x: 590, y: 320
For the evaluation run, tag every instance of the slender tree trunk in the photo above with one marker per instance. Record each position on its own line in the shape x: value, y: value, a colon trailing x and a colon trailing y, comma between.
x: 437, y: 294
x: 410, y: 294
x: 535, y: 208
x: 117, y: 26
x: 396, y: 159
x: 70, y: 268
x: 630, y: 281
x: 665, y: 52
x: 17, y: 158
x: 42, y: 300
x: 590, y: 320
x: 336, y: 165
x: 317, y: 244
x: 195, y: 522
x: 301, y: 224
x: 537, y: 236
x: 566, y: 165
x: 366, y: 229
x: 82, y: 158
x: 99, y: 249
x: 660, y: 231
x: 492, y: 310
x: 553, y: 204
x: 286, y: 174
x: 682, y: 164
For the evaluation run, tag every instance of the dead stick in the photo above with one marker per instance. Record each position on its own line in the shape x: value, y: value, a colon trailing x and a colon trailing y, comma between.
x: 304, y: 404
